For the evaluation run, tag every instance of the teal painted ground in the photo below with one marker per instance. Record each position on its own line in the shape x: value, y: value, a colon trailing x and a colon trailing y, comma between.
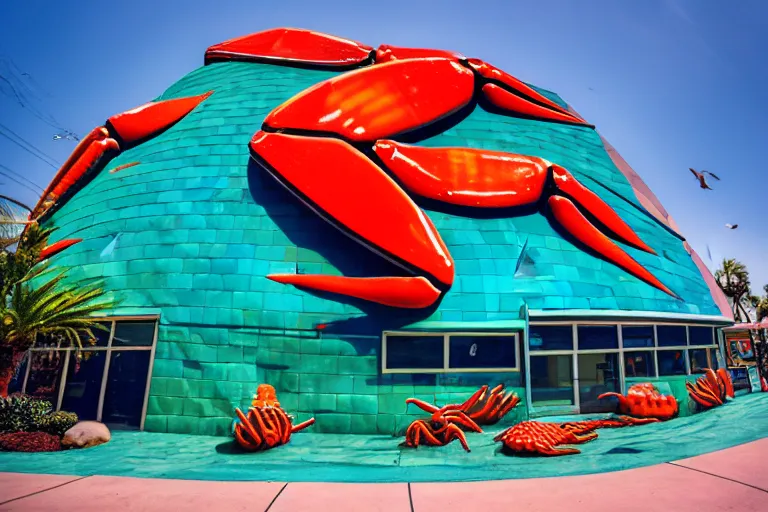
x: 344, y: 458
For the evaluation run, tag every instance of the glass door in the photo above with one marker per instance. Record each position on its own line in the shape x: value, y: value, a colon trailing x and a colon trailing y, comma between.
x: 598, y: 374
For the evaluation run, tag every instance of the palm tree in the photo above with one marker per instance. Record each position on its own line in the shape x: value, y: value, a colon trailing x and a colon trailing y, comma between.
x: 11, y: 220
x: 33, y: 305
x: 733, y: 279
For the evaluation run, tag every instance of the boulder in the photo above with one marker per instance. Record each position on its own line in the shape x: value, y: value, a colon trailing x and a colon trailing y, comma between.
x: 86, y: 434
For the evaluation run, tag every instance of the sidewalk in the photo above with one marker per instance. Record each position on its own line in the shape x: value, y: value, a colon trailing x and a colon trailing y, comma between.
x: 731, y: 479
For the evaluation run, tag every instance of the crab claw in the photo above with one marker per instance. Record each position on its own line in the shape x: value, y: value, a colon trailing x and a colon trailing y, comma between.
x: 621, y: 398
x: 566, y: 213
x: 507, y: 92
x: 291, y: 46
x: 566, y: 183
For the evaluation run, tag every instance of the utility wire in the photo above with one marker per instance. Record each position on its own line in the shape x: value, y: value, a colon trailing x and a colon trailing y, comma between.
x: 18, y: 175
x: 34, y: 151
x: 17, y: 181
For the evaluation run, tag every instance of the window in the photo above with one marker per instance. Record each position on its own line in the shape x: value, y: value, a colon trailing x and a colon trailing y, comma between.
x: 442, y: 353
x: 701, y: 359
x: 671, y: 362
x: 637, y: 336
x: 671, y: 336
x: 552, y: 380
x: 596, y: 337
x: 701, y: 336
x: 550, y: 337
x: 639, y: 364
x: 482, y: 352
x: 107, y: 381
x: 415, y: 352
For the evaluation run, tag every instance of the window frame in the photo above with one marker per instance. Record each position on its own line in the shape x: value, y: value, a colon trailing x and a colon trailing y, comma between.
x: 621, y: 350
x: 109, y: 349
x: 515, y: 336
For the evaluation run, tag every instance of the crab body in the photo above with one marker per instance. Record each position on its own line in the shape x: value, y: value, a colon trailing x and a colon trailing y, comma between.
x: 535, y: 437
x: 645, y: 401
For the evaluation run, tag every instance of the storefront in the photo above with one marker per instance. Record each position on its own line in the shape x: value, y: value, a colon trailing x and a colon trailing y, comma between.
x: 350, y: 293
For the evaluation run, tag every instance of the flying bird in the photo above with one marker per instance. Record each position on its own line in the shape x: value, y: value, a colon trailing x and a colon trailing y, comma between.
x: 731, y: 226
x: 702, y: 179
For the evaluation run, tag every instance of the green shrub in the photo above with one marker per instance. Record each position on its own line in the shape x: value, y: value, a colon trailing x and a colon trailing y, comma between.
x: 58, y: 422
x: 21, y: 413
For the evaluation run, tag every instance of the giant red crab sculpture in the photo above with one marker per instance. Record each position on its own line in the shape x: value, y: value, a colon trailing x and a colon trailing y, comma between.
x: 644, y: 401
x: 331, y: 144
x: 338, y: 145
x: 537, y: 438
x: 711, y: 389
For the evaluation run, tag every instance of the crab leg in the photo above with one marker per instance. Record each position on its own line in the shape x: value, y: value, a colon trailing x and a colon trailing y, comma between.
x: 399, y: 292
x: 726, y: 378
x: 303, y: 425
x: 353, y: 194
x: 565, y: 182
x: 577, y: 225
x: 421, y: 404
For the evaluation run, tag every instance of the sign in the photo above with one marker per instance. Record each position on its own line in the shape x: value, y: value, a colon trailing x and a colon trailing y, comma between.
x: 754, y: 379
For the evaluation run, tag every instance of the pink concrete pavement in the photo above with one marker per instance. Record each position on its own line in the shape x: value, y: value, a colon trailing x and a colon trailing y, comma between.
x: 732, y: 479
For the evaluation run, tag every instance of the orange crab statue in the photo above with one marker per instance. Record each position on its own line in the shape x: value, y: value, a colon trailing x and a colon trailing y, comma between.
x: 446, y: 423
x: 267, y: 425
x: 538, y: 438
x: 483, y: 407
x: 444, y: 426
x: 644, y: 401
x: 711, y: 389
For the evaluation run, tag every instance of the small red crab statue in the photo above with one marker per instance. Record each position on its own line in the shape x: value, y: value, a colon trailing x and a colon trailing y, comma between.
x: 711, y: 389
x: 267, y: 425
x: 338, y: 147
x: 644, y: 401
x: 535, y: 437
x: 482, y: 408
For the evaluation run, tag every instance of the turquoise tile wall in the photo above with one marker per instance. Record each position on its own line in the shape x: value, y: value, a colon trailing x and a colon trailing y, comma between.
x: 198, y: 227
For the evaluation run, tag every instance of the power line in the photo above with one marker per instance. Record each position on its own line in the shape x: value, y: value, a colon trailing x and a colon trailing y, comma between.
x: 34, y: 151
x: 18, y: 175
x: 17, y: 181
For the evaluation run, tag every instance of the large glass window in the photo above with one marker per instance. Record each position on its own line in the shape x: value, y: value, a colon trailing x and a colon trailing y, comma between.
x: 671, y: 362
x: 415, y: 352
x: 482, y: 352
x: 598, y: 374
x: 107, y: 381
x: 671, y: 335
x: 83, y: 384
x: 445, y: 352
x: 701, y: 336
x: 126, y: 383
x: 639, y: 364
x: 550, y: 337
x: 45, y: 369
x: 637, y: 336
x: 701, y: 359
x: 552, y: 380
x: 595, y: 337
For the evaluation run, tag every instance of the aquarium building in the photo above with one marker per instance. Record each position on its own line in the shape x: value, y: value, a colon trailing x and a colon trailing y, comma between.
x: 249, y: 244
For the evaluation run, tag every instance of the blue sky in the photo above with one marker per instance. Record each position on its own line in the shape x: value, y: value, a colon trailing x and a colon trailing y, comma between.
x: 671, y: 84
